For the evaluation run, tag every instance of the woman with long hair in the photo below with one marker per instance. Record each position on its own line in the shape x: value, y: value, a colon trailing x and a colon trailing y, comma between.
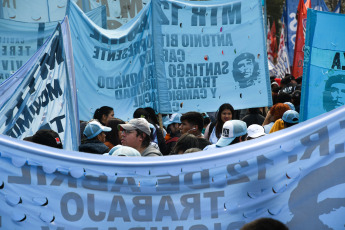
x: 214, y: 130
x: 103, y: 114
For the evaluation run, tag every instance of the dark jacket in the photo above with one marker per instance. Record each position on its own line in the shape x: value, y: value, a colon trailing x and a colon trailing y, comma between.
x: 93, y: 146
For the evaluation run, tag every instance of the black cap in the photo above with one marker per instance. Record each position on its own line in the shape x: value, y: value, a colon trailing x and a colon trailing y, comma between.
x: 46, y: 137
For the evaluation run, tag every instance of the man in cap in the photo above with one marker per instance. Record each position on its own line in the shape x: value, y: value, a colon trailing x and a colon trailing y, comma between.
x: 94, y: 133
x: 46, y: 137
x: 136, y: 134
x: 172, y: 125
x: 234, y: 131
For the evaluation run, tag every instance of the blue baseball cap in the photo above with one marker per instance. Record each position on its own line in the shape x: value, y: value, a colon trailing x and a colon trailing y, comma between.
x: 93, y: 128
x: 231, y: 130
x: 291, y: 116
x: 292, y: 107
x: 175, y: 118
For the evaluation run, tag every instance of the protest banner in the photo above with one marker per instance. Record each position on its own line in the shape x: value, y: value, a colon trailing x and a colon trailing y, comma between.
x: 42, y: 94
x: 174, y: 57
x: 291, y: 21
x: 324, y: 71
x: 293, y: 175
x: 20, y: 40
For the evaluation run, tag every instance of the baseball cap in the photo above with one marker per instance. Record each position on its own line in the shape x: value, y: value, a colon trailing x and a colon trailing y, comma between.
x: 175, y: 118
x: 121, y: 150
x: 93, y: 128
x: 255, y: 131
x: 137, y: 123
x: 231, y: 130
x: 291, y: 116
x: 292, y: 107
x: 46, y: 137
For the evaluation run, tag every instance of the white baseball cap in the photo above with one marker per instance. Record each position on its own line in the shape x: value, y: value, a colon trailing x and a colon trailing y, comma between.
x: 231, y: 130
x: 255, y: 131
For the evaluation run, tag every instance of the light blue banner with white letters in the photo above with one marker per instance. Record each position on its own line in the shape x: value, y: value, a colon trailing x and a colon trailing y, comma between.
x: 294, y: 175
x: 324, y: 64
x: 20, y: 40
x: 42, y: 94
x: 173, y: 56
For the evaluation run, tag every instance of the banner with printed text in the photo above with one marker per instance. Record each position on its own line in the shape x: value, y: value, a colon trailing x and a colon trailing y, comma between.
x: 323, y: 86
x: 42, y: 94
x: 291, y: 20
x: 20, y: 40
x: 173, y: 56
x: 294, y: 175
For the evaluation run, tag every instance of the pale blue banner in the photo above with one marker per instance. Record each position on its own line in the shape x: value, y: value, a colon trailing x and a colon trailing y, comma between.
x: 174, y: 56
x: 324, y: 64
x: 20, y: 40
x: 42, y: 94
x: 294, y: 175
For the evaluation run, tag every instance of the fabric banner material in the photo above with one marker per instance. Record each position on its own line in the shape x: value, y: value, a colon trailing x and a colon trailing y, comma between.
x: 283, y: 65
x: 175, y: 57
x: 291, y: 21
x: 43, y: 94
x: 324, y: 72
x: 293, y: 175
x: 297, y: 67
x: 20, y: 40
x: 116, y: 14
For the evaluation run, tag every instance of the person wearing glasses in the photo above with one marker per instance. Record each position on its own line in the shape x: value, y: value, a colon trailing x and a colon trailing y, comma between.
x: 136, y: 134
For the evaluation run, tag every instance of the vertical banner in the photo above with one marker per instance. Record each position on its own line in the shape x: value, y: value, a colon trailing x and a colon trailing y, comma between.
x: 283, y: 65
x: 44, y: 98
x: 324, y: 72
x: 297, y: 67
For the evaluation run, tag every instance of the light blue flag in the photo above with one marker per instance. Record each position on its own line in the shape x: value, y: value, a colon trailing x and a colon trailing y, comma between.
x: 20, y: 40
x: 42, y: 94
x: 323, y: 86
x: 175, y: 57
x: 294, y: 175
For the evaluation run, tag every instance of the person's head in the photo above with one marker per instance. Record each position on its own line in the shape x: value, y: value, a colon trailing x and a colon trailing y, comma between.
x: 283, y: 97
x: 95, y: 130
x: 245, y: 69
x: 46, y: 137
x: 334, y: 94
x: 192, y: 150
x: 225, y: 113
x: 123, y: 151
x: 192, y: 122
x: 264, y: 224
x: 290, y: 118
x: 114, y: 136
x: 136, y: 134
x: 103, y: 114
x: 255, y: 131
x: 292, y: 107
x: 173, y: 123
x: 275, y: 87
x: 152, y: 116
x: 186, y: 141
x: 278, y: 110
x: 141, y: 113
x: 231, y: 130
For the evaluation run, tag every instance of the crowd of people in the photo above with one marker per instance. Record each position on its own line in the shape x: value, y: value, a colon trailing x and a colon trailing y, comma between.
x: 144, y: 136
x: 178, y: 133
